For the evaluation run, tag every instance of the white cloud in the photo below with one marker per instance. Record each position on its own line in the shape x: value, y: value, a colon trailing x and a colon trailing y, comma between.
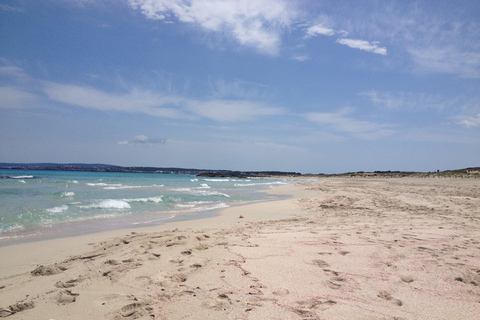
x: 319, y: 30
x: 443, y: 39
x: 135, y: 101
x: 302, y: 57
x: 447, y: 59
x: 12, y: 71
x: 143, y: 140
x: 469, y: 121
x: 341, y: 123
x: 231, y: 110
x: 363, y: 45
x: 12, y: 97
x: 159, y: 105
x: 6, y: 7
x: 253, y: 23
x: 408, y: 101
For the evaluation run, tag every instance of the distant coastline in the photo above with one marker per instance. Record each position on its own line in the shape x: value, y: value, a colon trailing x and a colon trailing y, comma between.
x: 471, y: 172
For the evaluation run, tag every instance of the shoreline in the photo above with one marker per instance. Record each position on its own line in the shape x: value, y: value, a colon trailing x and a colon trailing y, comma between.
x: 74, y: 228
x: 60, y: 245
x: 337, y: 248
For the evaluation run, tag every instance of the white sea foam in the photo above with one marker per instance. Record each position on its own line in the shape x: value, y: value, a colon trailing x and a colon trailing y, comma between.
x: 217, y: 180
x: 74, y: 181
x: 187, y: 205
x: 68, y: 194
x: 21, y: 177
x: 121, y: 187
x: 194, y: 180
x: 22, y: 181
x: 150, y: 199
x: 58, y: 209
x: 199, y: 192
x: 204, y: 186
x: 102, y: 184
x: 108, y: 204
x: 209, y: 193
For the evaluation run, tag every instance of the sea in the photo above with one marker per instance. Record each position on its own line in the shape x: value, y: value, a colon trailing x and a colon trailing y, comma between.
x: 38, y: 205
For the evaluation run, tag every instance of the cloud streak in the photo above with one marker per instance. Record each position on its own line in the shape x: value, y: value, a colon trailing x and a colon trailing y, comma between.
x: 143, y: 140
x: 253, y: 23
x: 469, y: 121
x: 340, y: 122
x: 319, y: 29
x: 135, y: 101
x: 363, y: 45
x: 231, y: 110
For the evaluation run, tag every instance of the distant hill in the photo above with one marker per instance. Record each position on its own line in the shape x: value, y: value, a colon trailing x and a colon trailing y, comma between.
x: 86, y: 165
x: 111, y: 168
x: 472, y: 172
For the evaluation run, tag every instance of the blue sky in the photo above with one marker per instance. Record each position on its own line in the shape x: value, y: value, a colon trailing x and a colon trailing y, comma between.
x: 306, y: 86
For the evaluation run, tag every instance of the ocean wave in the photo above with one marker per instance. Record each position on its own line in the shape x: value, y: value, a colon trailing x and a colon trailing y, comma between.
x: 217, y: 180
x: 185, y: 205
x: 210, y: 193
x: 17, y: 177
x: 150, y: 199
x: 68, y: 194
x: 200, y: 192
x: 204, y: 186
x: 108, y: 204
x: 122, y: 187
x: 22, y: 181
x: 102, y: 184
x: 59, y: 209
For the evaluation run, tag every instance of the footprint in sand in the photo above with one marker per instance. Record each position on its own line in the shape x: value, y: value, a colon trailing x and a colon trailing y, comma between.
x: 336, y: 282
x: 14, y: 308
x: 321, y: 263
x: 66, y: 296
x: 179, y: 278
x: 67, y: 284
x: 317, y: 304
x: 387, y: 296
x: 131, y: 310
x: 48, y: 270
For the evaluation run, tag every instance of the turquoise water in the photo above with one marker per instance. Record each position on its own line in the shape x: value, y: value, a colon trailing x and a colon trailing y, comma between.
x: 38, y: 205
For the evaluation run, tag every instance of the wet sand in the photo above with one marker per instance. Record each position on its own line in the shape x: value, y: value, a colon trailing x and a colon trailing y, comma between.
x: 406, y: 248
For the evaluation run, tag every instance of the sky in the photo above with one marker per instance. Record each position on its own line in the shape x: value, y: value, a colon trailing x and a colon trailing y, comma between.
x: 309, y: 86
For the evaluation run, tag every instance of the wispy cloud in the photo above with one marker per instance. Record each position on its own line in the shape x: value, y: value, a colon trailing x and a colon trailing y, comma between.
x: 469, y: 121
x: 363, y: 45
x: 253, y: 23
x: 12, y: 97
x: 301, y: 57
x: 232, y: 110
x: 143, y: 140
x: 449, y: 59
x: 319, y: 29
x: 408, y: 101
x: 230, y: 101
x: 6, y: 7
x: 435, y: 39
x: 340, y: 122
x: 135, y: 101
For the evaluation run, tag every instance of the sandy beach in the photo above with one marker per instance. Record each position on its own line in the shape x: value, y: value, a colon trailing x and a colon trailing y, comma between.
x: 405, y: 248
